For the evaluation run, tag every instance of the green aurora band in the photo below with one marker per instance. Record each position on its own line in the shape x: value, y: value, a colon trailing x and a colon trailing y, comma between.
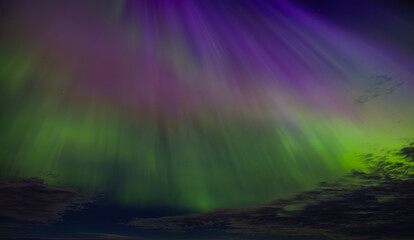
x: 231, y: 145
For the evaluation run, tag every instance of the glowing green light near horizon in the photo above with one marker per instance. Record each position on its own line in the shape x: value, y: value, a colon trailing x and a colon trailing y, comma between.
x: 211, y: 125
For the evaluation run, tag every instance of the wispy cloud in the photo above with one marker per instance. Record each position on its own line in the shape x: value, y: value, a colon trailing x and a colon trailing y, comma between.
x: 113, y: 236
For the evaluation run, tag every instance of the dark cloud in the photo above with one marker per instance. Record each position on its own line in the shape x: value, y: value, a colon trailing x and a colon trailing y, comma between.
x: 31, y: 199
x: 112, y: 236
x: 379, y: 85
x: 376, y: 204
x: 9, y: 225
x: 407, y: 152
x: 117, y: 236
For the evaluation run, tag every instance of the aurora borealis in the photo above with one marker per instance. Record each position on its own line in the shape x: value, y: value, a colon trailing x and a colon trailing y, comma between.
x: 160, y: 109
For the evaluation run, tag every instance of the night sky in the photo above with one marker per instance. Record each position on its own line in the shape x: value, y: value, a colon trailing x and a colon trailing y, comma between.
x: 206, y: 119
